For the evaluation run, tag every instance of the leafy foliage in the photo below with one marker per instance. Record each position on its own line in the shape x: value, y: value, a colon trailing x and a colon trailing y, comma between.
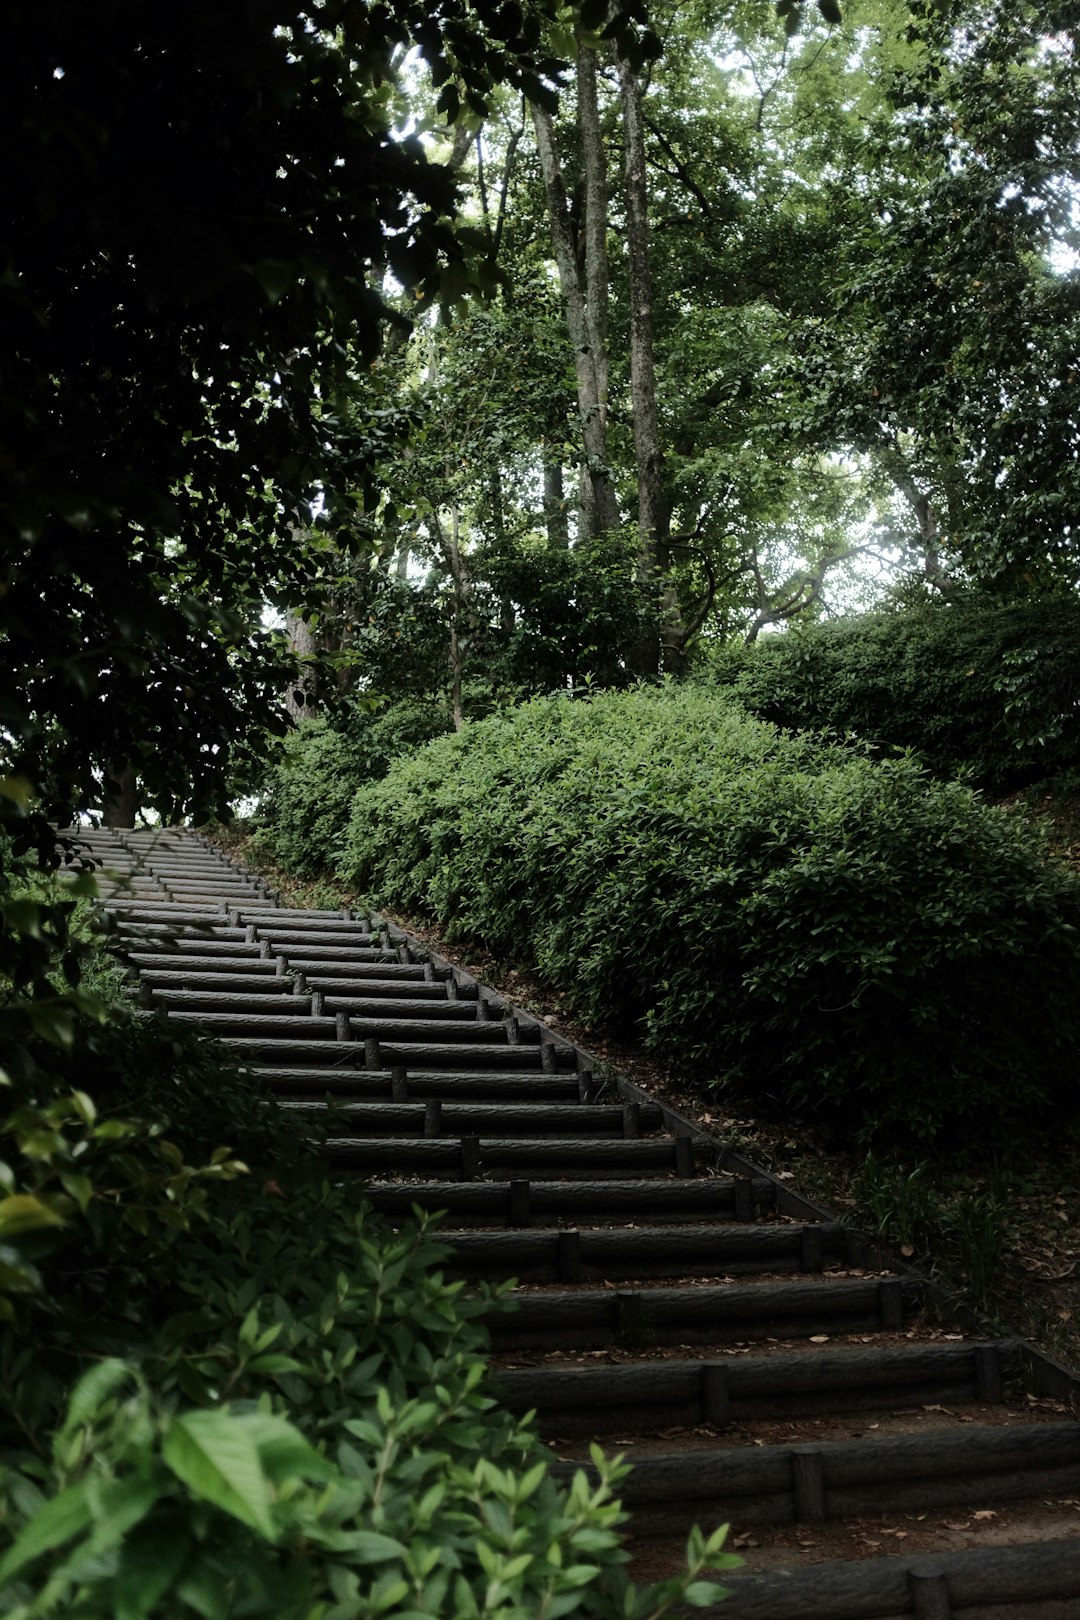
x: 973, y: 684
x: 846, y: 935
x: 310, y: 790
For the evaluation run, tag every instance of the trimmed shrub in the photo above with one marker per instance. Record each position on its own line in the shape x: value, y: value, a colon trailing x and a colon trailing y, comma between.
x: 310, y: 791
x: 989, y: 688
x: 845, y: 935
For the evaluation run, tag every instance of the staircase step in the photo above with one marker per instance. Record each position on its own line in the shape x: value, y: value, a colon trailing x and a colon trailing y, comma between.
x: 519, y: 1202
x: 438, y: 1118
x: 812, y: 1484
x: 718, y: 1313
x: 421, y: 1084
x: 709, y: 1323
x: 566, y: 1156
x: 738, y: 1389
x: 570, y: 1254
x: 1040, y: 1582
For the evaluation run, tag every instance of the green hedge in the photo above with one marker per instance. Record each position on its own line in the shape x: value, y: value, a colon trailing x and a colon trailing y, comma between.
x: 846, y: 935
x: 309, y: 792
x: 990, y: 687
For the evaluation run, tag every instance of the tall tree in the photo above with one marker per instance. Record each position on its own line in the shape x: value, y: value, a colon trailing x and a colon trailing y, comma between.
x: 201, y: 211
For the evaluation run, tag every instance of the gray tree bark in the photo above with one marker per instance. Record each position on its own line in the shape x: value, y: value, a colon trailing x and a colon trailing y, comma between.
x: 555, y: 516
x: 121, y: 794
x: 663, y: 648
x: 600, y: 512
x: 302, y: 697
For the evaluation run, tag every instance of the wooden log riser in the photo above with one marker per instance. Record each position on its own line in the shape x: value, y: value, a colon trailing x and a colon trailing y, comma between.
x: 323, y: 958
x: 261, y: 979
x: 409, y: 986
x: 209, y: 999
x: 521, y: 1202
x: 927, y: 1604
x: 390, y: 1005
x: 170, y: 918
x: 981, y: 1585
x: 194, y: 953
x: 586, y: 1155
x: 659, y: 1334
x: 185, y: 952
x: 573, y: 1256
x: 568, y: 1423
x: 277, y: 1000
x: 870, y: 1501
x: 312, y: 1052
x: 457, y: 1119
x: 715, y: 1304
x: 977, y: 1461
x: 387, y: 969
x: 301, y: 1085
x: 230, y: 962
x: 445, y: 1032
x: 562, y: 1390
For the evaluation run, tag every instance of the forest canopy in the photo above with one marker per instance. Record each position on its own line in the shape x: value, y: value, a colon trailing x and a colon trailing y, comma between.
x: 774, y: 313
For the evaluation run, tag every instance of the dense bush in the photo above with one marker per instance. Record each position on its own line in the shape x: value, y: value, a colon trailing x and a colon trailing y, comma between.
x: 310, y: 790
x: 987, y: 686
x: 845, y: 934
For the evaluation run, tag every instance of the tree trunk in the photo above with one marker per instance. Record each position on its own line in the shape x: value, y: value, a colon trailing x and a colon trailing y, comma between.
x: 929, y: 541
x: 451, y: 549
x: 662, y: 648
x: 595, y: 232
x: 301, y: 699
x: 121, y: 794
x: 600, y: 512
x: 555, y: 518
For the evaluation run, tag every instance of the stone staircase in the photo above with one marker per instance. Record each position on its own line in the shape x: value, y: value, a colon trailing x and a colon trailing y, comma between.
x: 753, y: 1357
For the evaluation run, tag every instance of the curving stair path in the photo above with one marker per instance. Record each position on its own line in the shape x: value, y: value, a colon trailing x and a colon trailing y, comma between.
x: 753, y: 1357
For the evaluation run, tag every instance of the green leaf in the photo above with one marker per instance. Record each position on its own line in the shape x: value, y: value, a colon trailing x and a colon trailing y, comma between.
x: 121, y: 1505
x: 215, y: 1455
x: 274, y: 1364
x: 24, y: 1213
x: 93, y: 1388
x: 150, y: 1561
x: 205, y: 1591
x: 372, y: 1548
x: 704, y: 1594
x: 18, y: 790
x: 283, y: 1450
x: 61, y: 1518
